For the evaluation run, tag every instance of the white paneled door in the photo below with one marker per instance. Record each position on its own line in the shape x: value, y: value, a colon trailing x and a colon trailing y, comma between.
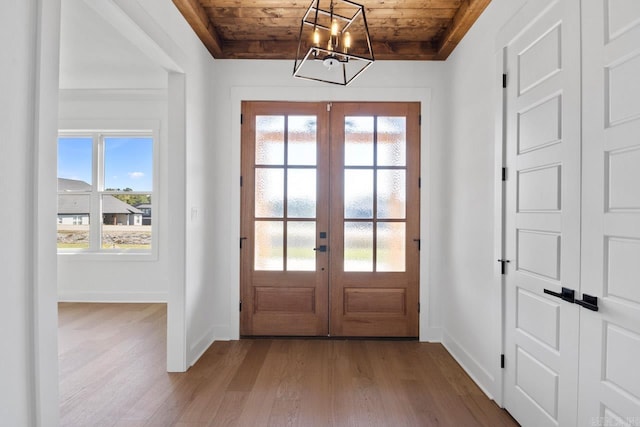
x: 542, y: 229
x: 610, y: 337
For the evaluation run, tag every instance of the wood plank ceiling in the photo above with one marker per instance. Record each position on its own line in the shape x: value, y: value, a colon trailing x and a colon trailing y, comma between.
x: 268, y: 29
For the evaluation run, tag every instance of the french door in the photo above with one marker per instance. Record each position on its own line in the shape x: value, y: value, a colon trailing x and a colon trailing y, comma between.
x: 330, y: 219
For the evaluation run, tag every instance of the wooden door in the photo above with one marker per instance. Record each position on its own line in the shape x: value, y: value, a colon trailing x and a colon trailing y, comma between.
x: 610, y: 337
x: 374, y: 219
x: 330, y: 219
x: 284, y: 217
x: 542, y: 113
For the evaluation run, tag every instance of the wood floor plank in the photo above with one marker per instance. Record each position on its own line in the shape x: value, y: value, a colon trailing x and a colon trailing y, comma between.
x: 113, y: 361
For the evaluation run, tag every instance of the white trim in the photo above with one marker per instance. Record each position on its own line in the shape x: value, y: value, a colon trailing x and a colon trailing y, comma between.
x: 472, y: 367
x: 176, y: 224
x: 431, y: 335
x: 498, y: 217
x: 421, y: 94
x: 110, y: 297
x: 199, y: 347
x: 122, y: 95
x: 44, y: 309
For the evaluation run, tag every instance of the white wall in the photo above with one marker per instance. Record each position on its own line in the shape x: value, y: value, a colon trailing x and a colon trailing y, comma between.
x: 191, y: 286
x: 271, y: 80
x: 28, y: 84
x: 471, y: 293
x: 121, y: 277
x: 158, y: 30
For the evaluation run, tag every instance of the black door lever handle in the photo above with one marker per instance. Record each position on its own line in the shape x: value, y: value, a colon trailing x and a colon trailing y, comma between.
x: 589, y: 302
x: 566, y: 294
x: 321, y: 248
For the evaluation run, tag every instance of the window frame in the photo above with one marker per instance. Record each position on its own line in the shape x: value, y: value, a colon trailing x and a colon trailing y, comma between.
x: 98, y: 134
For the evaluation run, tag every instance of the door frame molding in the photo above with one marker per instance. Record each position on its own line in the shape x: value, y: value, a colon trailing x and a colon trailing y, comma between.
x: 320, y: 94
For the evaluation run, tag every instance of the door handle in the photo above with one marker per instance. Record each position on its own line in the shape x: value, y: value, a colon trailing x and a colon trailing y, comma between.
x: 566, y: 294
x: 321, y: 248
x: 589, y: 302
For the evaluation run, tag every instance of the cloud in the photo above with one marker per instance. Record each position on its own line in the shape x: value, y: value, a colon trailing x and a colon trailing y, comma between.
x: 136, y: 175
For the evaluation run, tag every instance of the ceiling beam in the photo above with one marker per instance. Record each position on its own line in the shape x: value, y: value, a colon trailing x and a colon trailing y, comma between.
x: 197, y: 18
x: 276, y: 49
x: 464, y: 18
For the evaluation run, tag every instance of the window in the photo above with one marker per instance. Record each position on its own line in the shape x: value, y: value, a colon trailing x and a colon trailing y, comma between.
x: 105, y: 192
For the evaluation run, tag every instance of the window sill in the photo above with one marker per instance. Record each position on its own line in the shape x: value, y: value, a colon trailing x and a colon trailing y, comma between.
x: 109, y: 256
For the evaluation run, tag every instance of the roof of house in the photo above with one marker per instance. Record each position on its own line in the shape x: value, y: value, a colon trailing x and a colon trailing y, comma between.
x: 77, y: 204
x: 65, y: 184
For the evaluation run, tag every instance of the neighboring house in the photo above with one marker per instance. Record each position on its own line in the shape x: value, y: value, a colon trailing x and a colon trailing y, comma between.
x: 146, y: 212
x: 74, y: 208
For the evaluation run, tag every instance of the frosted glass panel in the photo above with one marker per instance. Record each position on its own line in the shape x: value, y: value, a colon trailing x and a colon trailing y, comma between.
x: 269, y: 140
x: 269, y: 193
x: 302, y: 140
x: 269, y: 246
x: 358, y: 141
x: 391, y: 194
x: 358, y: 193
x: 358, y: 246
x: 391, y: 243
x: 301, y: 193
x: 301, y: 239
x: 392, y: 141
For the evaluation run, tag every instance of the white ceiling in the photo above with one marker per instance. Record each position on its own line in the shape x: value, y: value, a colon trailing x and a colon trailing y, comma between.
x: 94, y: 55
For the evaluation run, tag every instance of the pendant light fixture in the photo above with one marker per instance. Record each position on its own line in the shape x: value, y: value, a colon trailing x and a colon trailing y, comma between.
x: 334, y: 44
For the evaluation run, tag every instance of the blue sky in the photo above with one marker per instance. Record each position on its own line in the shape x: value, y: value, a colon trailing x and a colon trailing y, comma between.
x: 128, y: 161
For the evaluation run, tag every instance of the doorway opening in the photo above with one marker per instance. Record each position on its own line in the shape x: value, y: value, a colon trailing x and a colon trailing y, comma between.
x: 330, y: 210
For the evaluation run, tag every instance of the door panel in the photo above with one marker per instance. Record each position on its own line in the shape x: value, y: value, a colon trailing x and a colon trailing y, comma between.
x: 330, y: 219
x: 284, y: 211
x: 610, y: 337
x: 374, y: 222
x: 542, y: 211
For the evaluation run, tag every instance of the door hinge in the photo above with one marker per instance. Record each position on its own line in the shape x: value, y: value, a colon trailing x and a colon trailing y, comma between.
x: 420, y: 120
x: 502, y: 361
x: 503, y: 265
x: 241, y: 239
x: 504, y: 174
x: 418, y: 307
x: 241, y: 118
x: 418, y: 242
x: 240, y: 180
x: 241, y: 305
x: 419, y: 182
x: 504, y: 81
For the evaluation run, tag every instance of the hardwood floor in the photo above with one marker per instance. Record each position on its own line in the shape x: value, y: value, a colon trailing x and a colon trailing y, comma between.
x: 112, y: 373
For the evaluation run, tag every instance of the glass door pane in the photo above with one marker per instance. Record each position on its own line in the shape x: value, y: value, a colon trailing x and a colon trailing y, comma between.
x: 285, y: 192
x: 374, y: 190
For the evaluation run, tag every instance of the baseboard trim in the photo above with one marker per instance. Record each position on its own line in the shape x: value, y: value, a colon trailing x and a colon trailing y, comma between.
x: 478, y: 374
x: 431, y: 335
x: 119, y: 297
x: 197, y: 350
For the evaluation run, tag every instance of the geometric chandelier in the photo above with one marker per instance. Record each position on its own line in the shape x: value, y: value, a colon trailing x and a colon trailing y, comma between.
x: 334, y: 44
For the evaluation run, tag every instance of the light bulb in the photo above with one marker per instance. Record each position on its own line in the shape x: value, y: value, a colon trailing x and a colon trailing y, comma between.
x: 316, y: 37
x: 334, y: 28
x: 347, y: 41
